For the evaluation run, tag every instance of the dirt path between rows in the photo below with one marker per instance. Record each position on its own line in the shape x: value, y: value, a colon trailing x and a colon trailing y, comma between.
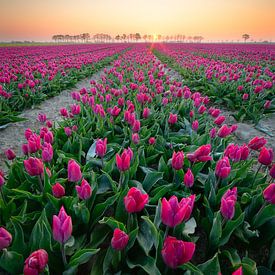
x: 13, y: 136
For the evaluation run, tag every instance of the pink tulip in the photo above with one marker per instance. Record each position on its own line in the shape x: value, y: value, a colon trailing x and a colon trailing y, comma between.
x: 101, y: 147
x: 47, y: 152
x: 135, y: 201
x: 5, y: 238
x: 201, y: 154
x: 195, y: 125
x: 188, y: 178
x: 34, y: 166
x: 34, y: 143
x: 177, y: 252
x: 58, y: 190
x: 123, y: 161
x: 152, y: 141
x: 146, y: 113
x: 120, y: 239
x: 269, y: 193
x: 219, y: 120
x: 266, y: 156
x: 62, y: 226
x: 48, y: 137
x: 10, y: 154
x: 239, y: 271
x: 257, y: 143
x: 173, y: 118
x: 135, y: 138
x: 272, y: 171
x: 84, y: 191
x: 74, y: 172
x: 223, y: 168
x: 177, y: 160
x: 2, y: 179
x: 36, y: 262
x: 228, y: 202
x: 174, y: 212
x: 224, y: 131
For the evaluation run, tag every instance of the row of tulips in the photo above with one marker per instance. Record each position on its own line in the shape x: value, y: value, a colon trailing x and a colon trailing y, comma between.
x: 139, y: 177
x: 28, y: 75
x: 247, y: 88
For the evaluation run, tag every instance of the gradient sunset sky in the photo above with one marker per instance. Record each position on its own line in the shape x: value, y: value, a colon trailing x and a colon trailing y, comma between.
x: 213, y: 19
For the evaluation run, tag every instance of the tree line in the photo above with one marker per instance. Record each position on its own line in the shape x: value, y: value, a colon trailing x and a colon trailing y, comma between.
x: 132, y: 37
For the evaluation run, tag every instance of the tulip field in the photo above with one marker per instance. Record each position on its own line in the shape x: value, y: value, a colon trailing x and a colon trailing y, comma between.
x: 143, y: 174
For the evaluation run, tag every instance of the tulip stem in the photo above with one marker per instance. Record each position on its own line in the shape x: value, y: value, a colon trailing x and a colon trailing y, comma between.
x: 260, y: 210
x: 41, y: 184
x: 102, y: 162
x: 120, y: 180
x: 63, y: 254
x: 253, y: 182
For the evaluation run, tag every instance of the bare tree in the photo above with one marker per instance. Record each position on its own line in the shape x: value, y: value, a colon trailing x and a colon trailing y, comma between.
x: 245, y: 36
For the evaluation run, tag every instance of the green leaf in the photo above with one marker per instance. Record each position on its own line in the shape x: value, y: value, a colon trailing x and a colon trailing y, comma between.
x: 150, y: 179
x: 212, y: 266
x: 12, y: 262
x: 18, y: 243
x: 230, y: 226
x: 216, y: 231
x: 82, y: 256
x: 266, y: 214
x: 113, y: 223
x: 41, y: 236
x: 147, y: 263
x: 189, y: 266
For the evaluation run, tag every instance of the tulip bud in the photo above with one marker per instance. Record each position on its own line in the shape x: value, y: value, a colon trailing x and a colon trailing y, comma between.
x: 5, y: 238
x: 177, y: 160
x: 74, y: 172
x: 28, y: 133
x: 223, y: 168
x: 188, y: 178
x: 228, y: 202
x: 123, y: 161
x: 224, y: 131
x: 36, y: 262
x: 2, y: 179
x: 195, y: 125
x: 152, y: 140
x: 135, y: 201
x: 10, y: 154
x: 120, y: 239
x: 177, y: 252
x: 213, y: 133
x: 146, y: 113
x: 135, y: 138
x: 62, y: 226
x: 173, y: 118
x: 101, y: 147
x: 34, y: 166
x: 42, y: 118
x: 272, y: 171
x: 25, y: 149
x: 58, y: 190
x: 257, y: 143
x: 269, y: 193
x: 266, y: 156
x: 84, y: 191
x: 239, y: 271
x: 34, y: 143
x: 174, y: 212
x: 47, y: 152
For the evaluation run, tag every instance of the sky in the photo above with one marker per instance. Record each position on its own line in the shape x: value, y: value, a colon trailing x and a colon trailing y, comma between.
x: 215, y: 20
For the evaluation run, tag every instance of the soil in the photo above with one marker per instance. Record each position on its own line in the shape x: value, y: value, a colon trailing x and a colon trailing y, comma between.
x: 13, y: 136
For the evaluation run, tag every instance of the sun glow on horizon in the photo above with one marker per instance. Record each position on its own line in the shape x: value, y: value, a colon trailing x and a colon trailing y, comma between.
x: 40, y: 20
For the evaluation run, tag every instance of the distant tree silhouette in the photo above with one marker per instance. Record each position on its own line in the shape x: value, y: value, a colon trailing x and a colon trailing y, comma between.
x: 245, y: 36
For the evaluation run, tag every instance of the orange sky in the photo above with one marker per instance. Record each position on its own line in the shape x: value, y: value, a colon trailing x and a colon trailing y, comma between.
x: 213, y: 19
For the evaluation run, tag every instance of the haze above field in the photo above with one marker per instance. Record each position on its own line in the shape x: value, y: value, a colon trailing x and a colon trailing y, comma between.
x: 213, y: 19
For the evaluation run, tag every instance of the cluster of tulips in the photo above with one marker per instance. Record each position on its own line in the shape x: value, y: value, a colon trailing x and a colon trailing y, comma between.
x: 141, y: 176
x: 239, y: 77
x: 28, y: 75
